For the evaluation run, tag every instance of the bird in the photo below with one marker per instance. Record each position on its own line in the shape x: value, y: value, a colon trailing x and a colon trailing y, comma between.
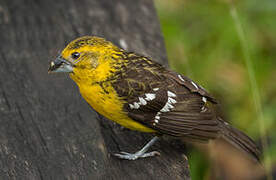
x: 140, y: 94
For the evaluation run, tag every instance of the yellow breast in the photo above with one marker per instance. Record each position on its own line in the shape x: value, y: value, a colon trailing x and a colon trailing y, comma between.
x: 109, y: 105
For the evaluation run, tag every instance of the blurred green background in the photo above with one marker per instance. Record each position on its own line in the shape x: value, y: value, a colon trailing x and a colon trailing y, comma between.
x: 218, y: 43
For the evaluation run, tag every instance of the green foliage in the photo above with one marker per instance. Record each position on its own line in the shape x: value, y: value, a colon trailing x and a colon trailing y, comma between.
x: 203, y: 43
x: 198, y: 165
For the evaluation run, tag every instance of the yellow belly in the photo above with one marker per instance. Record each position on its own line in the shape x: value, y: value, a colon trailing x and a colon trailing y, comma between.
x: 110, y: 106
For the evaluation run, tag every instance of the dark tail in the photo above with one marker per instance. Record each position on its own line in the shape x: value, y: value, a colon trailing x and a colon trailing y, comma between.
x: 239, y: 140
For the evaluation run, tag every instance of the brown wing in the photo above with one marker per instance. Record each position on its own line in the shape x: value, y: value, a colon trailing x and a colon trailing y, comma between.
x: 166, y: 101
x: 189, y: 114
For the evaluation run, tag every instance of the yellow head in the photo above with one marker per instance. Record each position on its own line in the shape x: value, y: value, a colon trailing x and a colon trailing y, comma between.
x: 86, y: 58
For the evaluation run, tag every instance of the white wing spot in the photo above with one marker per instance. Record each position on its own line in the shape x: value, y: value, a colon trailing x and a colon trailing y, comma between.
x: 150, y: 96
x: 204, y: 99
x: 203, y: 108
x: 123, y: 43
x: 167, y: 107
x: 155, y: 89
x: 171, y: 94
x: 136, y: 105
x: 142, y: 101
x: 194, y: 84
x: 170, y: 106
x: 171, y: 100
x: 180, y: 77
x: 131, y: 106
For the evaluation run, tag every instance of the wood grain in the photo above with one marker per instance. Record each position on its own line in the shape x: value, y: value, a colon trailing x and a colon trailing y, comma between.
x: 47, y: 131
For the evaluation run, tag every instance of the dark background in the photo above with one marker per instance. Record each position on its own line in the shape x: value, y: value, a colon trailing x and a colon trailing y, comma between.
x: 47, y: 131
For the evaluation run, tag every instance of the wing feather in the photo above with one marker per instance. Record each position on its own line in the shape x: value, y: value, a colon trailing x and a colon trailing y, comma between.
x: 188, y: 112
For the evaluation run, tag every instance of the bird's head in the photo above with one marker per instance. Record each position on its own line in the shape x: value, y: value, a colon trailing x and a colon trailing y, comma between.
x: 85, y: 56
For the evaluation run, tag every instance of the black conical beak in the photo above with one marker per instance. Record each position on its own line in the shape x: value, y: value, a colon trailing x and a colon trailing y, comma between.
x: 60, y: 65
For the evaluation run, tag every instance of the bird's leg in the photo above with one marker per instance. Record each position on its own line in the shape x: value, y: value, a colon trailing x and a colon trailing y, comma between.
x: 141, y: 153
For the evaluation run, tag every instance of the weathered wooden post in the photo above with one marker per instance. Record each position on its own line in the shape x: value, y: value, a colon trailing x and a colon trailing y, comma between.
x: 47, y: 131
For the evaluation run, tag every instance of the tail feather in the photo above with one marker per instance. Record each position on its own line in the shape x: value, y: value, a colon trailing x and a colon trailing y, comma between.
x: 240, y: 140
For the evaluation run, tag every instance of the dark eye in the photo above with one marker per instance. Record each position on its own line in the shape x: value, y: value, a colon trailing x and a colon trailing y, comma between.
x: 75, y: 55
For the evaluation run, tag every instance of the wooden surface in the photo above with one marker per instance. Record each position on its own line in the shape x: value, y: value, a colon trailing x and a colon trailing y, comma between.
x: 47, y: 131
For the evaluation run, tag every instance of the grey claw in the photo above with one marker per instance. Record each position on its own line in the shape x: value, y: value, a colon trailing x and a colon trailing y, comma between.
x: 139, y: 154
x: 129, y: 156
x: 153, y: 153
x: 125, y: 153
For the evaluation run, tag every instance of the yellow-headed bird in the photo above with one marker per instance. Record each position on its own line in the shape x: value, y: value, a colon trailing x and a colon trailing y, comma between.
x: 140, y: 94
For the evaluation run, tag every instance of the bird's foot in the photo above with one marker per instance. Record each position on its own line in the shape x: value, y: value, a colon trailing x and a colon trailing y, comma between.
x: 139, y: 154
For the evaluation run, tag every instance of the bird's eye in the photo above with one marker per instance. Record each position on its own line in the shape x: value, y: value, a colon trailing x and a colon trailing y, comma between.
x: 75, y: 55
